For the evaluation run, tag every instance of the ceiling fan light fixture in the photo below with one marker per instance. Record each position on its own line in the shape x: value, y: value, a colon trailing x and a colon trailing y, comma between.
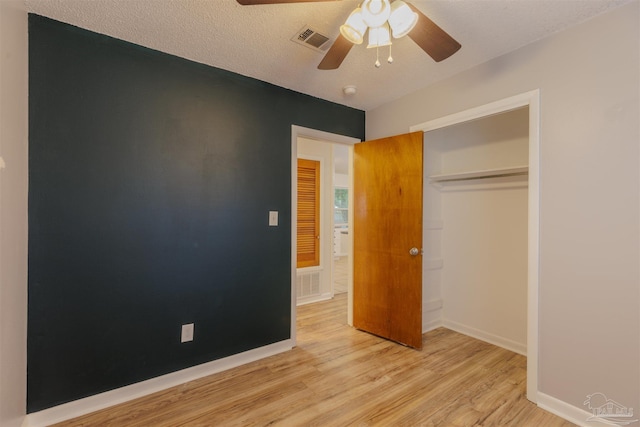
x: 379, y: 36
x: 375, y: 12
x: 354, y: 28
x: 372, y: 14
x: 402, y: 19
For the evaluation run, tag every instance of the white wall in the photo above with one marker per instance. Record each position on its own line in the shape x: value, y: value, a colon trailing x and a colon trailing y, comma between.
x: 13, y: 213
x: 341, y: 180
x: 589, y: 298
x: 497, y: 141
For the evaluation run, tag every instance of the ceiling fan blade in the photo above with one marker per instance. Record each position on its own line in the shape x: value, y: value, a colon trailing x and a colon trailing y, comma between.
x: 255, y: 2
x: 432, y: 39
x: 336, y: 54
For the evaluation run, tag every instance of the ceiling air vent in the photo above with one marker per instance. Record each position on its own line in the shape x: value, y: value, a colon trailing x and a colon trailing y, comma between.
x: 312, y: 39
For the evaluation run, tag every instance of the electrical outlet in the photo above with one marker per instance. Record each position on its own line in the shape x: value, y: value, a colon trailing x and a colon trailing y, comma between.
x: 187, y: 333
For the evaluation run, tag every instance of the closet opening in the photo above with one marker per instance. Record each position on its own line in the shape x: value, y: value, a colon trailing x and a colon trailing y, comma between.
x: 481, y: 209
x: 476, y: 189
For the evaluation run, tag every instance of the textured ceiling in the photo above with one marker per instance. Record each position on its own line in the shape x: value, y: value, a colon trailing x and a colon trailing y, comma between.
x: 255, y: 40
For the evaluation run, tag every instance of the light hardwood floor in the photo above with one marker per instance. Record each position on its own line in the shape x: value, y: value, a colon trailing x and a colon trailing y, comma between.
x: 340, y: 268
x: 338, y: 376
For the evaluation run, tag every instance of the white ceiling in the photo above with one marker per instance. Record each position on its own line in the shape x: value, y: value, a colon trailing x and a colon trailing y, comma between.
x: 255, y: 40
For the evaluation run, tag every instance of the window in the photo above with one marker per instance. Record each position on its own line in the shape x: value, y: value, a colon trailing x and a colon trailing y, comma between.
x: 340, y: 206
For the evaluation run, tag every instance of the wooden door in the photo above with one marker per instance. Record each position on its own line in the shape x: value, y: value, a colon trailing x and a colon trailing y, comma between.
x: 387, y: 277
x: 308, y: 252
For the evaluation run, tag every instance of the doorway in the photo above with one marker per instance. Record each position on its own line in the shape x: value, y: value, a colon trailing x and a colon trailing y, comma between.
x: 344, y: 145
x: 324, y: 238
x: 342, y: 235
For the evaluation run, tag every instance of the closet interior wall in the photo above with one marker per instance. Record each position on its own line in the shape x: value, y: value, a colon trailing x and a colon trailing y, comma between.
x: 475, y: 239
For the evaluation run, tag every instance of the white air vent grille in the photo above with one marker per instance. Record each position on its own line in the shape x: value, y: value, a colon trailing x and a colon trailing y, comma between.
x: 308, y: 284
x: 312, y: 39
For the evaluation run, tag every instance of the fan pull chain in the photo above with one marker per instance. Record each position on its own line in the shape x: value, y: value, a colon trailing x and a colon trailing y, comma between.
x: 389, y: 59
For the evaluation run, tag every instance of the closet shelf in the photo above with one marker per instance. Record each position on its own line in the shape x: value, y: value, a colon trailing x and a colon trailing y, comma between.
x: 480, y: 174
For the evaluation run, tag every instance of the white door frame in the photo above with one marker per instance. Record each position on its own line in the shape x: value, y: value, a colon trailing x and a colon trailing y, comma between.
x: 299, y: 131
x: 532, y: 100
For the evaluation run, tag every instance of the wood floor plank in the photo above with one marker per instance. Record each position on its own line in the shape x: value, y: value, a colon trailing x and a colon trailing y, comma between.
x: 339, y: 376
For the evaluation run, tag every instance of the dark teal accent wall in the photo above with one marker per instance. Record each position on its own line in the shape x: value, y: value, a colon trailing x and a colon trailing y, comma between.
x: 150, y: 182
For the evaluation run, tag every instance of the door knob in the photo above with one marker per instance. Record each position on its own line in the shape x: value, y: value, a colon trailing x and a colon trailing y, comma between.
x: 414, y: 251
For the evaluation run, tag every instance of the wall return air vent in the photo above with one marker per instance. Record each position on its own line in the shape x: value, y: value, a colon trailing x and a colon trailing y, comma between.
x: 312, y: 39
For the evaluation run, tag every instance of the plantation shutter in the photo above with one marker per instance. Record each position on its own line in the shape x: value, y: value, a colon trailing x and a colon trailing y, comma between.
x: 308, y: 254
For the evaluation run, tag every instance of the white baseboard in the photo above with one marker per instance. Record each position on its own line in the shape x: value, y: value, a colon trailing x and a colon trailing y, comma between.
x: 431, y: 325
x: 315, y: 298
x: 104, y: 400
x: 569, y: 412
x: 486, y: 336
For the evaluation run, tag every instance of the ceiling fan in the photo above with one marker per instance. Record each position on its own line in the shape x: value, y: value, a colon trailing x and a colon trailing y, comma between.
x: 381, y: 18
